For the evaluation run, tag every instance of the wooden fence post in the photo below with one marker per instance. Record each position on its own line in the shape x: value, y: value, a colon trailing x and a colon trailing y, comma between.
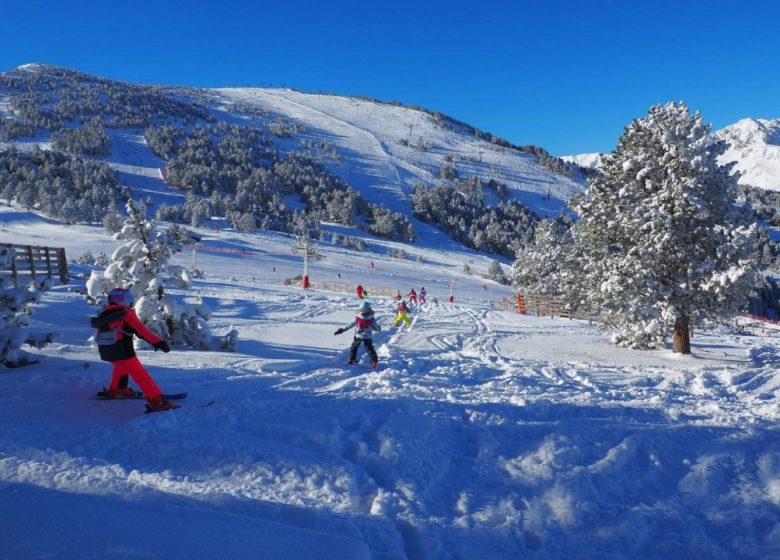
x: 48, y: 261
x: 62, y: 264
x: 30, y: 261
x: 14, y: 272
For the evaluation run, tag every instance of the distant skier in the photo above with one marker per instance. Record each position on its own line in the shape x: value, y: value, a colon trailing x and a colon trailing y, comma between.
x: 398, y: 295
x: 421, y: 298
x: 412, y: 295
x: 365, y: 324
x: 116, y: 325
x: 402, y: 314
x: 361, y: 292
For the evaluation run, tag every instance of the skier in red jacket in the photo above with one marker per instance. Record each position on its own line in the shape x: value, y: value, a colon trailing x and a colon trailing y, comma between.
x: 116, y: 325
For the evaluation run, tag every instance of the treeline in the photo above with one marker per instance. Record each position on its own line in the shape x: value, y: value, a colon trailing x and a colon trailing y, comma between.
x: 209, y: 158
x: 90, y: 140
x: 275, y: 124
x: 50, y: 98
x: 70, y: 189
x: 459, y: 210
x: 247, y: 181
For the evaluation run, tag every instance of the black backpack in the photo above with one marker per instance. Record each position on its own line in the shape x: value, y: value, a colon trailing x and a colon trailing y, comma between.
x: 110, y: 346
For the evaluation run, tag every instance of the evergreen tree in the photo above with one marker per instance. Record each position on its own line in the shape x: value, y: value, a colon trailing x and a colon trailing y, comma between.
x: 496, y: 273
x: 659, y: 237
x: 141, y: 264
x: 540, y: 267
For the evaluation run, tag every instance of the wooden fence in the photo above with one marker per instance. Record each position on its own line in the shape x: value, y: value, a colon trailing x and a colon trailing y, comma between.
x: 34, y: 261
x: 541, y: 306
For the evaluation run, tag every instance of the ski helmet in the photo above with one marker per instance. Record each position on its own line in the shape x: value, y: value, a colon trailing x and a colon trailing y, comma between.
x: 365, y: 306
x: 121, y: 296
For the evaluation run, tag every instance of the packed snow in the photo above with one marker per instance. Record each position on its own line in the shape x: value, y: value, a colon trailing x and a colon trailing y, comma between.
x: 482, y: 434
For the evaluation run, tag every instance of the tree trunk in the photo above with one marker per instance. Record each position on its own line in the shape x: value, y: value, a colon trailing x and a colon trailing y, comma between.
x: 681, y: 343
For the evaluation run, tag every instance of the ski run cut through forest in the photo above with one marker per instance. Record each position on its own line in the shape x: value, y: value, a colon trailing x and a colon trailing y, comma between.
x: 482, y: 432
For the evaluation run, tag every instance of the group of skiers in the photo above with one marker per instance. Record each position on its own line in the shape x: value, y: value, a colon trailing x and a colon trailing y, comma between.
x: 118, y: 323
x: 413, y: 296
x: 365, y: 322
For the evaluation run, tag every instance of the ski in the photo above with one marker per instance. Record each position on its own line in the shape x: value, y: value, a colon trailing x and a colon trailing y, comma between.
x: 150, y: 411
x: 104, y: 396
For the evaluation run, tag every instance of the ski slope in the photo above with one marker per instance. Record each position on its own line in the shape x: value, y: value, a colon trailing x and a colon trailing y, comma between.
x: 482, y: 434
x: 368, y: 137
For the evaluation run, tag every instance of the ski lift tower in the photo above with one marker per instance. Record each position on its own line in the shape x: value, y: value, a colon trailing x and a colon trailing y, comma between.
x: 304, y: 246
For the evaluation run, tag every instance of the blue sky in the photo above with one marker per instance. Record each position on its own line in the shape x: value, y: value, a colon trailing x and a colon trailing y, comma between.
x: 567, y: 76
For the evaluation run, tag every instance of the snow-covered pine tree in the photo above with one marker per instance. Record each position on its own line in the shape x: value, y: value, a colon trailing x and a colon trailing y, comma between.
x: 496, y: 273
x: 15, y: 316
x: 539, y: 267
x: 659, y: 235
x: 141, y: 264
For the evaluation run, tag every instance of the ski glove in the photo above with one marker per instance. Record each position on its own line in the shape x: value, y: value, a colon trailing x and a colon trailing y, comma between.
x: 339, y: 331
x: 162, y: 345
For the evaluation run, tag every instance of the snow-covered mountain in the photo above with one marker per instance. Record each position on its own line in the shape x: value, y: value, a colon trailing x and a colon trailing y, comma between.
x: 755, y: 147
x: 588, y: 161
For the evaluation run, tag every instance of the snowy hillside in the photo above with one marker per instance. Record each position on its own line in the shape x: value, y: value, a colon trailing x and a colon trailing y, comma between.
x: 382, y: 150
x: 755, y: 146
x: 483, y: 434
x: 372, y: 139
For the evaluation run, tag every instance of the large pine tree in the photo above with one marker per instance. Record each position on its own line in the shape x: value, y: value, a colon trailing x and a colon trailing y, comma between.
x: 660, y: 237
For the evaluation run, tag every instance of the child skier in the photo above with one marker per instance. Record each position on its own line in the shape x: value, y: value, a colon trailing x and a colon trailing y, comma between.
x: 412, y: 295
x: 365, y: 324
x: 116, y: 325
x: 421, y: 298
x: 402, y: 314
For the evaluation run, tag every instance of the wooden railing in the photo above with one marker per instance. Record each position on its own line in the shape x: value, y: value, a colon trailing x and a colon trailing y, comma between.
x: 542, y: 306
x: 34, y: 261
